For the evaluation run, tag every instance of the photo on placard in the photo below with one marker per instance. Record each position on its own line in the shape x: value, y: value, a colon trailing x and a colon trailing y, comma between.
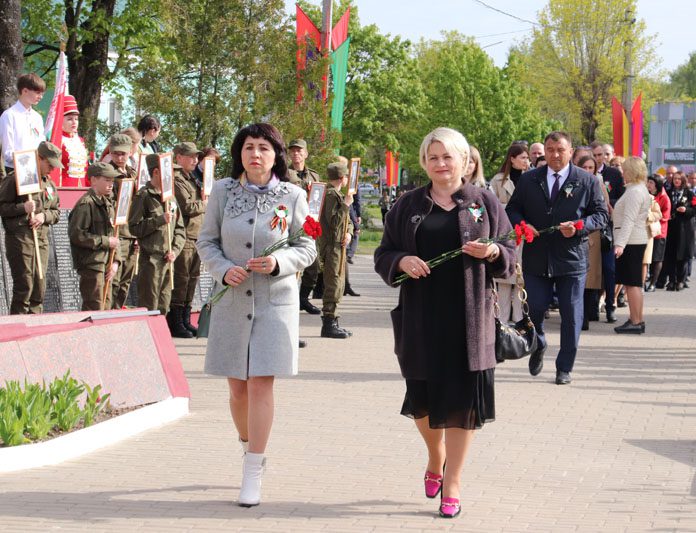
x: 316, y: 199
x: 208, y: 175
x: 167, y: 171
x: 27, y: 172
x: 143, y: 173
x: 353, y: 175
x: 125, y: 195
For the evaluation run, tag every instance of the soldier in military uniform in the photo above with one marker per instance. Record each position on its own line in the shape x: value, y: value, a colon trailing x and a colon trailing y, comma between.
x: 91, y: 232
x: 302, y: 176
x: 19, y: 216
x: 120, y: 146
x: 187, y: 268
x: 154, y: 226
x: 335, y: 235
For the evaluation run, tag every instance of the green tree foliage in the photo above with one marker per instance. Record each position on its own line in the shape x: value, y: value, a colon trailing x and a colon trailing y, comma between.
x: 574, y: 60
x: 466, y: 91
x: 683, y: 78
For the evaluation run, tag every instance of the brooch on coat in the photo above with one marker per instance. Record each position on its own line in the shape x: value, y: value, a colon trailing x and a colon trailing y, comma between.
x: 416, y: 219
x: 476, y: 211
x: 280, y: 219
x: 568, y: 190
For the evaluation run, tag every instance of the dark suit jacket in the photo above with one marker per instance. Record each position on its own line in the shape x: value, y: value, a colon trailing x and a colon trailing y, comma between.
x: 613, y: 180
x: 580, y: 198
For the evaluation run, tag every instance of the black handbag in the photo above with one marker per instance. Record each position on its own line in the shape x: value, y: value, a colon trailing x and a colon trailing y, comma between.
x: 606, y: 238
x: 520, y: 339
x: 204, y: 320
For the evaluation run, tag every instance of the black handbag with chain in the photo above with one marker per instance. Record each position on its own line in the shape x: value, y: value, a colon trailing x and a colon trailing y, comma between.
x: 520, y: 339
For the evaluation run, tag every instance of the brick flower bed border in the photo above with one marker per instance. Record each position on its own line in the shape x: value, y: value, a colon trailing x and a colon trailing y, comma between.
x: 92, y: 438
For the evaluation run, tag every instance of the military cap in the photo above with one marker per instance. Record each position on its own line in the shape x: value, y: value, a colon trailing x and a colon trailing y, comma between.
x: 120, y: 143
x: 51, y: 153
x: 299, y: 143
x: 152, y: 161
x: 186, y: 149
x: 104, y: 170
x: 336, y: 171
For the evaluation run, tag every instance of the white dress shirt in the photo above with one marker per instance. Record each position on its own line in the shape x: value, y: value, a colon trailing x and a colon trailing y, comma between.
x: 550, y: 178
x: 20, y: 129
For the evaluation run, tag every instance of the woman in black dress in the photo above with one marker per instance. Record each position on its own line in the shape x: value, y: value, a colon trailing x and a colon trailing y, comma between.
x: 444, y: 324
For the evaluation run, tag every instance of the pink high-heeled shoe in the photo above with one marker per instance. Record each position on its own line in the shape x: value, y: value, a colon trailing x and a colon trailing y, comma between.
x: 450, y: 508
x: 433, y: 484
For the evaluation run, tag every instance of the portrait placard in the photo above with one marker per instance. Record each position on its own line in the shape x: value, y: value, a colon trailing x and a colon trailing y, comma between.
x: 166, y: 166
x: 353, y: 175
x: 123, y: 202
x: 316, y: 199
x: 143, y: 173
x: 208, y: 175
x: 26, y: 164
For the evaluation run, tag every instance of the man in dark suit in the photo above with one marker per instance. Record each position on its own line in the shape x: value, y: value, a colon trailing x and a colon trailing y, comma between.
x: 558, y: 194
x: 612, y: 177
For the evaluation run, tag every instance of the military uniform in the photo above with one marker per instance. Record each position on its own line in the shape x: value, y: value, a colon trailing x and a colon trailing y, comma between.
x: 146, y: 222
x: 304, y: 179
x: 90, y: 228
x: 27, y: 289
x: 120, y: 284
x: 187, y: 268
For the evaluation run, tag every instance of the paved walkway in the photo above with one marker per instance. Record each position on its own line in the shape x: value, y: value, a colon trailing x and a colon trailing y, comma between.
x: 614, y: 451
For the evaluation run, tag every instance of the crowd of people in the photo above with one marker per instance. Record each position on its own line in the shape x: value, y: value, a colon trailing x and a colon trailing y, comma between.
x: 601, y: 228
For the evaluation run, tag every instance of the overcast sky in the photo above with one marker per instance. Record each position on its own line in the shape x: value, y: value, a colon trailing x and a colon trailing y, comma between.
x: 669, y: 21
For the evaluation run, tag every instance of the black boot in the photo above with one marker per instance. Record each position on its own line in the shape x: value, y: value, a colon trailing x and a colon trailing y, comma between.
x: 330, y: 329
x: 305, y: 304
x: 318, y: 293
x: 186, y: 320
x: 176, y: 325
x: 348, y: 291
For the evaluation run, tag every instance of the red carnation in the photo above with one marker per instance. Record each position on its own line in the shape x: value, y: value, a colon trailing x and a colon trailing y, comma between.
x: 578, y: 224
x: 519, y: 232
x: 693, y: 201
x: 312, y: 228
x: 528, y: 234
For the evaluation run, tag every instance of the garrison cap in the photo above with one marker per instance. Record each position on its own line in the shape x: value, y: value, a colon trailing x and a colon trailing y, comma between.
x: 102, y: 169
x: 186, y: 149
x: 120, y: 143
x: 51, y: 153
x: 336, y: 171
x: 299, y: 143
x: 152, y: 161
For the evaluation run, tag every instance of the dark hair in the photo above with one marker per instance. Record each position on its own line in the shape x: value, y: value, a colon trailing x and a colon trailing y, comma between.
x: 147, y: 123
x: 557, y: 136
x: 209, y: 152
x: 515, y: 149
x: 596, y: 144
x: 584, y: 159
x: 659, y: 182
x: 264, y: 131
x: 32, y: 82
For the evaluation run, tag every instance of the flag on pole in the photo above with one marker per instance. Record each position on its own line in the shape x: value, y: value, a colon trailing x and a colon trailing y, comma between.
x: 637, y: 127
x: 620, y: 127
x: 340, y: 31
x: 54, y: 120
x: 308, y: 44
x: 391, y: 161
x: 339, y: 72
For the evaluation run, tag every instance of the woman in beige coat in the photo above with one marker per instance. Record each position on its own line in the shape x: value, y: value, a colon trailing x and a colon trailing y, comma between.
x: 503, y: 185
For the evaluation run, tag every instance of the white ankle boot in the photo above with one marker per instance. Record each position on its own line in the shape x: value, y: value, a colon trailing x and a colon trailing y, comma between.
x: 244, y: 444
x: 253, y: 466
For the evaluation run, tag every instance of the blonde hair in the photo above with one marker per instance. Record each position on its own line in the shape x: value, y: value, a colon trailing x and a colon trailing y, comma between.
x: 134, y: 134
x: 453, y: 141
x: 634, y: 170
x: 477, y: 179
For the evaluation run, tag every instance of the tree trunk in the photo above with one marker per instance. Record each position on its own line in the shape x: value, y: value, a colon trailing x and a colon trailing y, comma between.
x: 11, y: 51
x: 88, y: 64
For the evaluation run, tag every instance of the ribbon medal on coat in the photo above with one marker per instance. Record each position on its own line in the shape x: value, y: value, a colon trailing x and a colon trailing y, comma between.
x: 280, y: 220
x: 476, y: 211
x: 568, y: 190
x: 49, y: 191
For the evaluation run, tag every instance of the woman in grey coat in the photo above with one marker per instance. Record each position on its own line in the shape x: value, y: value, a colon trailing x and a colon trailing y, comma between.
x: 254, y: 328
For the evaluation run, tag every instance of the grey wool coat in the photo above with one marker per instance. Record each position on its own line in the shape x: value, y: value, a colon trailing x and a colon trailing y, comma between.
x: 399, y: 240
x: 254, y: 328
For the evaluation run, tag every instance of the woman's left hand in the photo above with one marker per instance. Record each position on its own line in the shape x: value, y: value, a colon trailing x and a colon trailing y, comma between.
x: 479, y: 250
x: 618, y: 251
x: 262, y: 265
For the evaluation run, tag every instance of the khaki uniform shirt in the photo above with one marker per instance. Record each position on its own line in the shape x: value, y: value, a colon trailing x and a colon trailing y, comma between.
x: 304, y: 178
x: 190, y: 200
x: 333, y: 220
x: 15, y: 220
x: 147, y: 224
x: 89, y: 228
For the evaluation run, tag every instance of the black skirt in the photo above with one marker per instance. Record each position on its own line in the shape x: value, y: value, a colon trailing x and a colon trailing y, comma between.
x: 452, y: 395
x: 629, y: 267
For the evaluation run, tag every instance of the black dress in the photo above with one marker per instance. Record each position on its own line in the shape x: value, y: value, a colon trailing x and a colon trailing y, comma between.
x: 452, y: 395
